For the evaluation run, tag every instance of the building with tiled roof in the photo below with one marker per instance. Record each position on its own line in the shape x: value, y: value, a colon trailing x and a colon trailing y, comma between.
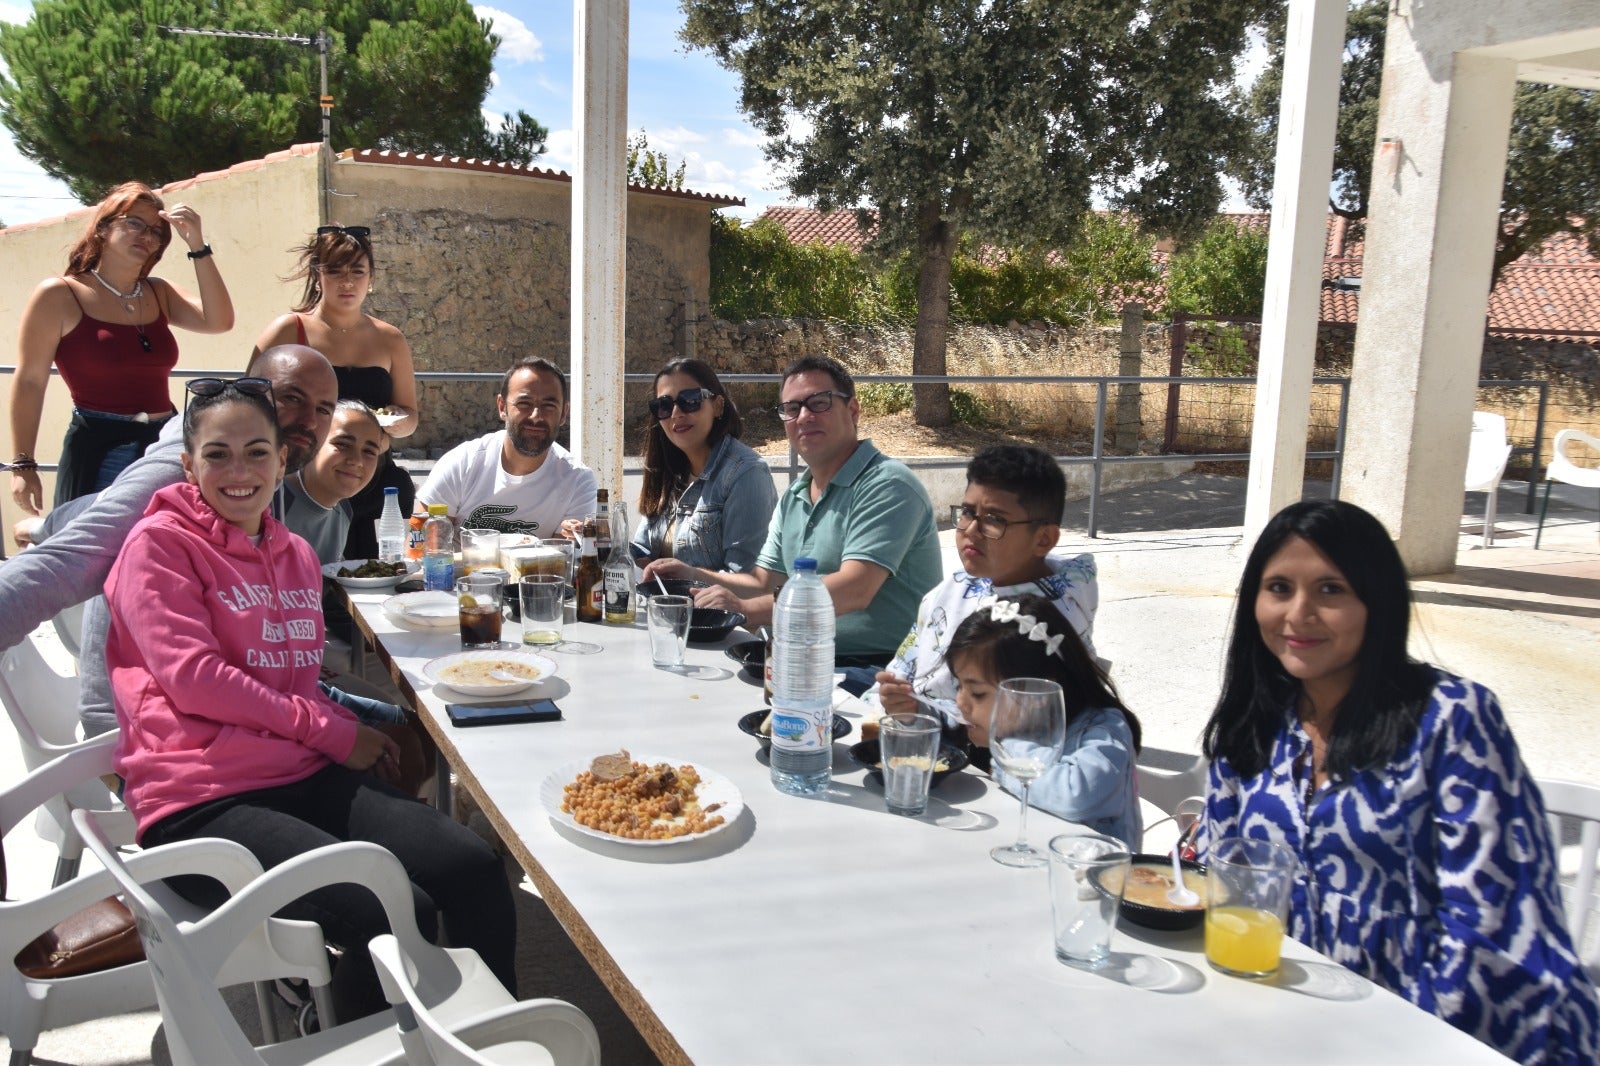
x: 1552, y: 291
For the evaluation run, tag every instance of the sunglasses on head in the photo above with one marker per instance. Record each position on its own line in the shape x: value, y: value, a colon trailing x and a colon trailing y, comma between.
x: 205, y: 388
x: 688, y: 401
x: 360, y: 233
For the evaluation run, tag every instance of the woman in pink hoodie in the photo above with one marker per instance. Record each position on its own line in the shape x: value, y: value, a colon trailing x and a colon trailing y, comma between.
x: 214, y: 652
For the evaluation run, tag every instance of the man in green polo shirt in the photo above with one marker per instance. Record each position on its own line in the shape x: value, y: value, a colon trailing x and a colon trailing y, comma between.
x: 864, y: 517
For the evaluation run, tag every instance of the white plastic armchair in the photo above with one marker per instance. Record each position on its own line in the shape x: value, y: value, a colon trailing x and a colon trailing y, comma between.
x: 1579, y: 866
x: 1486, y: 464
x: 1179, y: 794
x: 43, y: 707
x: 528, y: 1031
x: 1563, y: 469
x: 188, y: 960
x: 30, y: 1006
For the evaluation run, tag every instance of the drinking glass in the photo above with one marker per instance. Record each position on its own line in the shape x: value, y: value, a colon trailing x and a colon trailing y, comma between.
x: 543, y: 597
x: 1083, y: 911
x: 908, y: 746
x: 1027, y: 731
x: 667, y: 618
x: 479, y: 548
x: 1247, y: 898
x: 478, y: 606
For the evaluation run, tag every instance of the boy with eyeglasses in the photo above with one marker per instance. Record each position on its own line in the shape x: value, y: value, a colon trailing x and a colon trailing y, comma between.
x: 1007, y: 526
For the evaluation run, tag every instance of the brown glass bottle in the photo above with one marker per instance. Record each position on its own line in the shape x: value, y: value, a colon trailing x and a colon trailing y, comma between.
x: 588, y: 581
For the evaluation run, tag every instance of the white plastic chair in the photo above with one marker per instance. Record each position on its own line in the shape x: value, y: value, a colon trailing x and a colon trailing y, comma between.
x: 1572, y: 799
x: 32, y: 1005
x: 43, y: 707
x: 1486, y: 463
x: 526, y: 1032
x: 1179, y: 794
x: 1563, y: 469
x: 187, y: 960
x: 68, y: 624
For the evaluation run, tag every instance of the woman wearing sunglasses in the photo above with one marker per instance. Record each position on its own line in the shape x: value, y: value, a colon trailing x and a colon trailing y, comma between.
x: 370, y: 357
x: 106, y: 325
x: 707, y: 497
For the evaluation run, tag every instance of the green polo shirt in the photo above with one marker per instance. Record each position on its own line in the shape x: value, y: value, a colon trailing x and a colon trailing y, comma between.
x: 874, y: 509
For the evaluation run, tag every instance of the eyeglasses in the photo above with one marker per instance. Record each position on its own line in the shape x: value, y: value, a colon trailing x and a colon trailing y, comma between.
x: 360, y: 233
x: 205, y: 388
x: 688, y: 401
x: 816, y: 403
x: 139, y: 227
x: 990, y: 526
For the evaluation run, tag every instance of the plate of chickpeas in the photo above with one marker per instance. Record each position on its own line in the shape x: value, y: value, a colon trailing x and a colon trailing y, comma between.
x: 644, y: 800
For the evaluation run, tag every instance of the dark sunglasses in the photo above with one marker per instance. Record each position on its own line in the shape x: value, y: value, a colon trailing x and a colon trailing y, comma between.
x: 205, y: 388
x: 688, y: 401
x: 360, y: 233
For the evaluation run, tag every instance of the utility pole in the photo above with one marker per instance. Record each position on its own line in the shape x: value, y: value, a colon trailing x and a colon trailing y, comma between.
x: 320, y: 42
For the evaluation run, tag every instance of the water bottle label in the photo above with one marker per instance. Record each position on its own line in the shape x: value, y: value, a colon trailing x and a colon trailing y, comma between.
x: 439, y: 573
x: 802, y: 728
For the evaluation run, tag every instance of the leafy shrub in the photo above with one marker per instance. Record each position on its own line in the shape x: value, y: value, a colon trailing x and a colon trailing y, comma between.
x: 966, y: 409
x: 757, y: 272
x: 884, y: 397
x: 1224, y: 272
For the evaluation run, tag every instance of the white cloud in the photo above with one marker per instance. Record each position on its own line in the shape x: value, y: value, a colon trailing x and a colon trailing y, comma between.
x: 560, y: 150
x: 745, y: 138
x: 673, y: 141
x: 16, y: 14
x: 517, y: 43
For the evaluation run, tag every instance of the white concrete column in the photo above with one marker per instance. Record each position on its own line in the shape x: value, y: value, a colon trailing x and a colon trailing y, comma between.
x: 1443, y: 125
x: 599, y: 233
x: 1308, y: 116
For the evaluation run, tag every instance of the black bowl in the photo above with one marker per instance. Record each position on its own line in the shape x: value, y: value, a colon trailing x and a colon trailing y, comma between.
x: 676, y: 586
x: 751, y: 655
x: 751, y: 723
x: 868, y: 754
x: 707, y: 625
x: 1156, y: 917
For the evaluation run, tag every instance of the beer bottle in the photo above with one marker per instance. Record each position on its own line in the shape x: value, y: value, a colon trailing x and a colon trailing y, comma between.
x: 589, y: 582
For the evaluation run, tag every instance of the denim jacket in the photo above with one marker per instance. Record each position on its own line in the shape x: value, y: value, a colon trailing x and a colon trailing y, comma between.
x: 722, y: 517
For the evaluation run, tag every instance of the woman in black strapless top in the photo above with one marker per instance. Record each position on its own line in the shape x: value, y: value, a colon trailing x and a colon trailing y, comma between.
x: 370, y: 357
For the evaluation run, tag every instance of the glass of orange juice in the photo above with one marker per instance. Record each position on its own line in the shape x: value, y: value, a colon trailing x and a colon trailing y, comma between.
x: 1247, y: 898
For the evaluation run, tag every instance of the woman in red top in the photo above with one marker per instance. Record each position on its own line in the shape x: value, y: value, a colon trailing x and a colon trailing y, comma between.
x: 106, y: 324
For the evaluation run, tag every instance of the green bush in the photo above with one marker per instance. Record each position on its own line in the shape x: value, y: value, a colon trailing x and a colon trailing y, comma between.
x: 1222, y: 273
x: 966, y: 409
x: 884, y: 397
x: 757, y: 272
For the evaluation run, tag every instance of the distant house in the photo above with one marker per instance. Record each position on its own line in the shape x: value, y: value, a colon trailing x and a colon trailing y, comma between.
x: 1554, y: 291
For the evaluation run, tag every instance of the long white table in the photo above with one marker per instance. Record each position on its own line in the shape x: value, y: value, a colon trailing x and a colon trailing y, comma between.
x: 823, y: 930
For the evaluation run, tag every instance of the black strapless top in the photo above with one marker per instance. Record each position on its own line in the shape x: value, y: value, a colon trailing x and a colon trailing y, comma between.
x: 372, y: 385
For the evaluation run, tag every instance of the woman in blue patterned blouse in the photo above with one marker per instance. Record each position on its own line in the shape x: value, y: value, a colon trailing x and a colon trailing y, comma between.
x: 1426, y: 862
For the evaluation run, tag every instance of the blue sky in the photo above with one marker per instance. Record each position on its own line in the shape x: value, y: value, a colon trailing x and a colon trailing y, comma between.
x: 683, y: 101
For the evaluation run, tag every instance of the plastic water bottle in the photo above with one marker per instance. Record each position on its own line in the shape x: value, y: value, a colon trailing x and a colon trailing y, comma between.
x: 802, y: 683
x: 438, y: 549
x: 391, y: 528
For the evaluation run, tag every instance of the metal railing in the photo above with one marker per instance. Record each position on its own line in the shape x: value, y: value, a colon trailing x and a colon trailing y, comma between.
x: 1098, y: 458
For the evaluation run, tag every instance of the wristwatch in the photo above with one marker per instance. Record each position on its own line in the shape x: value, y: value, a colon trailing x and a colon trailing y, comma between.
x: 200, y: 252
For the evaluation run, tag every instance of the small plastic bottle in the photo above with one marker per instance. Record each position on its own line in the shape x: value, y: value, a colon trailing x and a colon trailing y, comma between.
x: 391, y: 528
x: 438, y: 549
x: 414, y: 540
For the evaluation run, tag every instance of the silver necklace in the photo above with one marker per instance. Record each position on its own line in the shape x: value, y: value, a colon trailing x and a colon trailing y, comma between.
x: 138, y: 288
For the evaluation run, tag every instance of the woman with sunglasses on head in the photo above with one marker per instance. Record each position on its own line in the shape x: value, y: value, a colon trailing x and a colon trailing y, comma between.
x: 1426, y: 863
x: 106, y: 325
x: 370, y: 357
x: 214, y: 652
x: 707, y: 497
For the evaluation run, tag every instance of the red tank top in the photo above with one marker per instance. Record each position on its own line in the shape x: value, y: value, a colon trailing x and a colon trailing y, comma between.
x: 107, y: 369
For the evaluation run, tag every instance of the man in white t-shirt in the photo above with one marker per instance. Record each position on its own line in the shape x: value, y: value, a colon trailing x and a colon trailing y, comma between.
x: 517, y: 479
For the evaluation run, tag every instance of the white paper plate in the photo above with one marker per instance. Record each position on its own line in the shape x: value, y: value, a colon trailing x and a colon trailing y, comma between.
x: 713, y: 788
x: 386, y: 419
x: 423, y: 610
x: 438, y: 670
x: 332, y: 570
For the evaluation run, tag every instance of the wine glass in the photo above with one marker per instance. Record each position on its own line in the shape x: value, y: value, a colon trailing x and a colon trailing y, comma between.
x: 1027, y: 731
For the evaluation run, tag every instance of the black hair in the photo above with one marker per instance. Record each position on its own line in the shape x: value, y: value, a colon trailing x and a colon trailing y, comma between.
x: 1009, y: 652
x: 822, y: 364
x: 198, y: 405
x: 1384, y: 706
x: 536, y: 363
x: 1033, y: 476
x: 666, y: 468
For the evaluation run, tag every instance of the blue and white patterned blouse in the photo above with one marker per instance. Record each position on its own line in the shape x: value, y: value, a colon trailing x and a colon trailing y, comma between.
x: 1433, y: 876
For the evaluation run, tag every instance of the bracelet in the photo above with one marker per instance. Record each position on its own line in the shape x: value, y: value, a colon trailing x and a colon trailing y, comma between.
x: 22, y: 462
x: 200, y: 252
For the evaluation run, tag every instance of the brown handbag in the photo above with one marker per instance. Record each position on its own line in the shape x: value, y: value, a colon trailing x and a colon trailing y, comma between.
x: 102, y: 936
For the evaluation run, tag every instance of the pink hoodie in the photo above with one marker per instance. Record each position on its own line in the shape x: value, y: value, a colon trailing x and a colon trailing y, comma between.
x: 214, y: 653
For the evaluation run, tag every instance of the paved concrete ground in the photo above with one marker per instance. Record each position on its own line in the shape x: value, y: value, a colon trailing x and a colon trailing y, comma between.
x: 1525, y: 623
